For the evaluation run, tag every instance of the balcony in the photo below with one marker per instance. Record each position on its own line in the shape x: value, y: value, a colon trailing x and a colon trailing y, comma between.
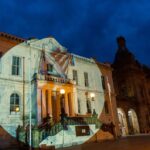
x: 53, y: 78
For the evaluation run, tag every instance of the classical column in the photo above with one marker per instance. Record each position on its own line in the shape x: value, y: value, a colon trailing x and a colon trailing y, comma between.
x: 75, y: 100
x: 58, y: 109
x: 66, y: 104
x: 43, y: 104
x: 72, y: 104
x: 49, y: 102
x: 39, y: 106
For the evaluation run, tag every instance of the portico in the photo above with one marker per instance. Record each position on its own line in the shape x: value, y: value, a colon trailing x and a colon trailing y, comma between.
x: 53, y: 96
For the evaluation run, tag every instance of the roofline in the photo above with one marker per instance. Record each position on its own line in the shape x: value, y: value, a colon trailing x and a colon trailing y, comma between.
x: 11, y: 37
x: 83, y: 58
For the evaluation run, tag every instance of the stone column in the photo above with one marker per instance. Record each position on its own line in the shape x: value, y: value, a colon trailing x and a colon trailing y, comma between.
x: 43, y: 104
x: 39, y: 106
x: 58, y: 109
x: 72, y: 104
x: 49, y: 102
x: 75, y: 100
x: 66, y: 104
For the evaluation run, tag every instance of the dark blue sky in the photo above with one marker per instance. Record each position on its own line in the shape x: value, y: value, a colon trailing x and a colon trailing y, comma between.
x: 86, y: 27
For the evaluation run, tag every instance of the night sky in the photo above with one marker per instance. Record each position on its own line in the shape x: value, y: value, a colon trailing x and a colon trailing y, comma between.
x: 85, y: 27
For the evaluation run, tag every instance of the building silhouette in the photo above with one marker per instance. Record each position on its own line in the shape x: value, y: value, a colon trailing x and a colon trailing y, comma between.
x: 131, y: 85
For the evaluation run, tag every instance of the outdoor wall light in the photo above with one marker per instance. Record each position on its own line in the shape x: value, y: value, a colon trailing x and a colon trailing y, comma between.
x: 92, y: 96
x: 62, y: 91
x: 17, y: 109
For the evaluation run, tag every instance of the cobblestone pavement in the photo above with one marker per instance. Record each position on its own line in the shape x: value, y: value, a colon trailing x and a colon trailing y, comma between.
x: 141, y: 142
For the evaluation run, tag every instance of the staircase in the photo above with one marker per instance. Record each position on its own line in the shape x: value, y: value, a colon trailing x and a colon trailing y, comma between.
x: 64, y: 138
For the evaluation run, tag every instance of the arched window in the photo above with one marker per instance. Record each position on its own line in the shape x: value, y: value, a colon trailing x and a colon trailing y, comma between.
x: 14, y: 103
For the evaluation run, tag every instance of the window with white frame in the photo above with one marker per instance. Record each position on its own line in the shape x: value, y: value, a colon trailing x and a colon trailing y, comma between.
x: 75, y: 76
x: 79, y: 106
x: 16, y: 65
x: 0, y: 65
x: 14, y: 103
x: 49, y: 68
x: 86, y: 81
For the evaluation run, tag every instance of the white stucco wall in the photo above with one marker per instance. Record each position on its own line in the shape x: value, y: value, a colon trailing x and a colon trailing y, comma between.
x: 82, y: 65
x: 31, y: 51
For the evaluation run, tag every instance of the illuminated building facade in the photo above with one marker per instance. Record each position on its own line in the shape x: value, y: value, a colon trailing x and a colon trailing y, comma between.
x: 55, y: 80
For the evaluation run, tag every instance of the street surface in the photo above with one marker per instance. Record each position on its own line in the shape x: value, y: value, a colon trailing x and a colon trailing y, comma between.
x: 141, y: 142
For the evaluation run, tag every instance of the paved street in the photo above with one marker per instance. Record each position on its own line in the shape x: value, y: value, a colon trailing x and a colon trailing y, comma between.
x: 141, y: 142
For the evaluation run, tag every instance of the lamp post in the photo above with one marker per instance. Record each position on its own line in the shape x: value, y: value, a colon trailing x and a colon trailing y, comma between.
x: 94, y: 112
x: 30, y: 102
x: 63, y: 114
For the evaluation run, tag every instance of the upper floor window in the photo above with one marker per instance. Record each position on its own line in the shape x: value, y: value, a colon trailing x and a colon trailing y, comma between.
x: 79, y: 106
x: 88, y: 105
x: 49, y: 68
x: 0, y: 65
x: 75, y: 76
x: 86, y: 81
x: 103, y: 82
x: 106, y: 107
x: 14, y: 103
x: 16, y: 65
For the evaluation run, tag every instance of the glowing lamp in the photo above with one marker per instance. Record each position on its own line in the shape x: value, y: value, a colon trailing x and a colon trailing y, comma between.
x: 62, y: 91
x: 17, y: 109
x: 92, y: 96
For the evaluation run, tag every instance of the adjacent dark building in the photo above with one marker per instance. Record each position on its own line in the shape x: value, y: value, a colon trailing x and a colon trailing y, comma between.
x: 132, y: 87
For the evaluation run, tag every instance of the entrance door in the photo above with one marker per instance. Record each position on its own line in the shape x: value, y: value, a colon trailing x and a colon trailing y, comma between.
x: 122, y: 122
x: 54, y: 106
x: 133, y: 122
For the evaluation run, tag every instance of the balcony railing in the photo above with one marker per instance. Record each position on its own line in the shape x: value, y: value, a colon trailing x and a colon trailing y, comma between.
x: 48, y: 130
x: 53, y: 78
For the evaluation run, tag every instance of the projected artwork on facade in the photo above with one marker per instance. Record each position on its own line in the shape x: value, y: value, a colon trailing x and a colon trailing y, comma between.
x: 54, y: 97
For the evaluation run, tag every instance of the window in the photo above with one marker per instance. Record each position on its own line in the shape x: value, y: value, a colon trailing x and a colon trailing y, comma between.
x: 106, y: 107
x: 79, y: 107
x: 0, y: 65
x: 88, y: 104
x: 86, y: 81
x: 49, y: 68
x: 46, y: 99
x: 75, y: 76
x: 16, y: 65
x: 103, y: 82
x: 14, y: 103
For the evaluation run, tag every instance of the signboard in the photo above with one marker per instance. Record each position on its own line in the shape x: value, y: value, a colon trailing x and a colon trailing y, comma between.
x: 82, y: 130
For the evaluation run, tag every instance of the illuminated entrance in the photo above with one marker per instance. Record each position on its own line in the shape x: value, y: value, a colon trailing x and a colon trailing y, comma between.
x: 53, y: 97
x: 133, y: 122
x: 122, y: 122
